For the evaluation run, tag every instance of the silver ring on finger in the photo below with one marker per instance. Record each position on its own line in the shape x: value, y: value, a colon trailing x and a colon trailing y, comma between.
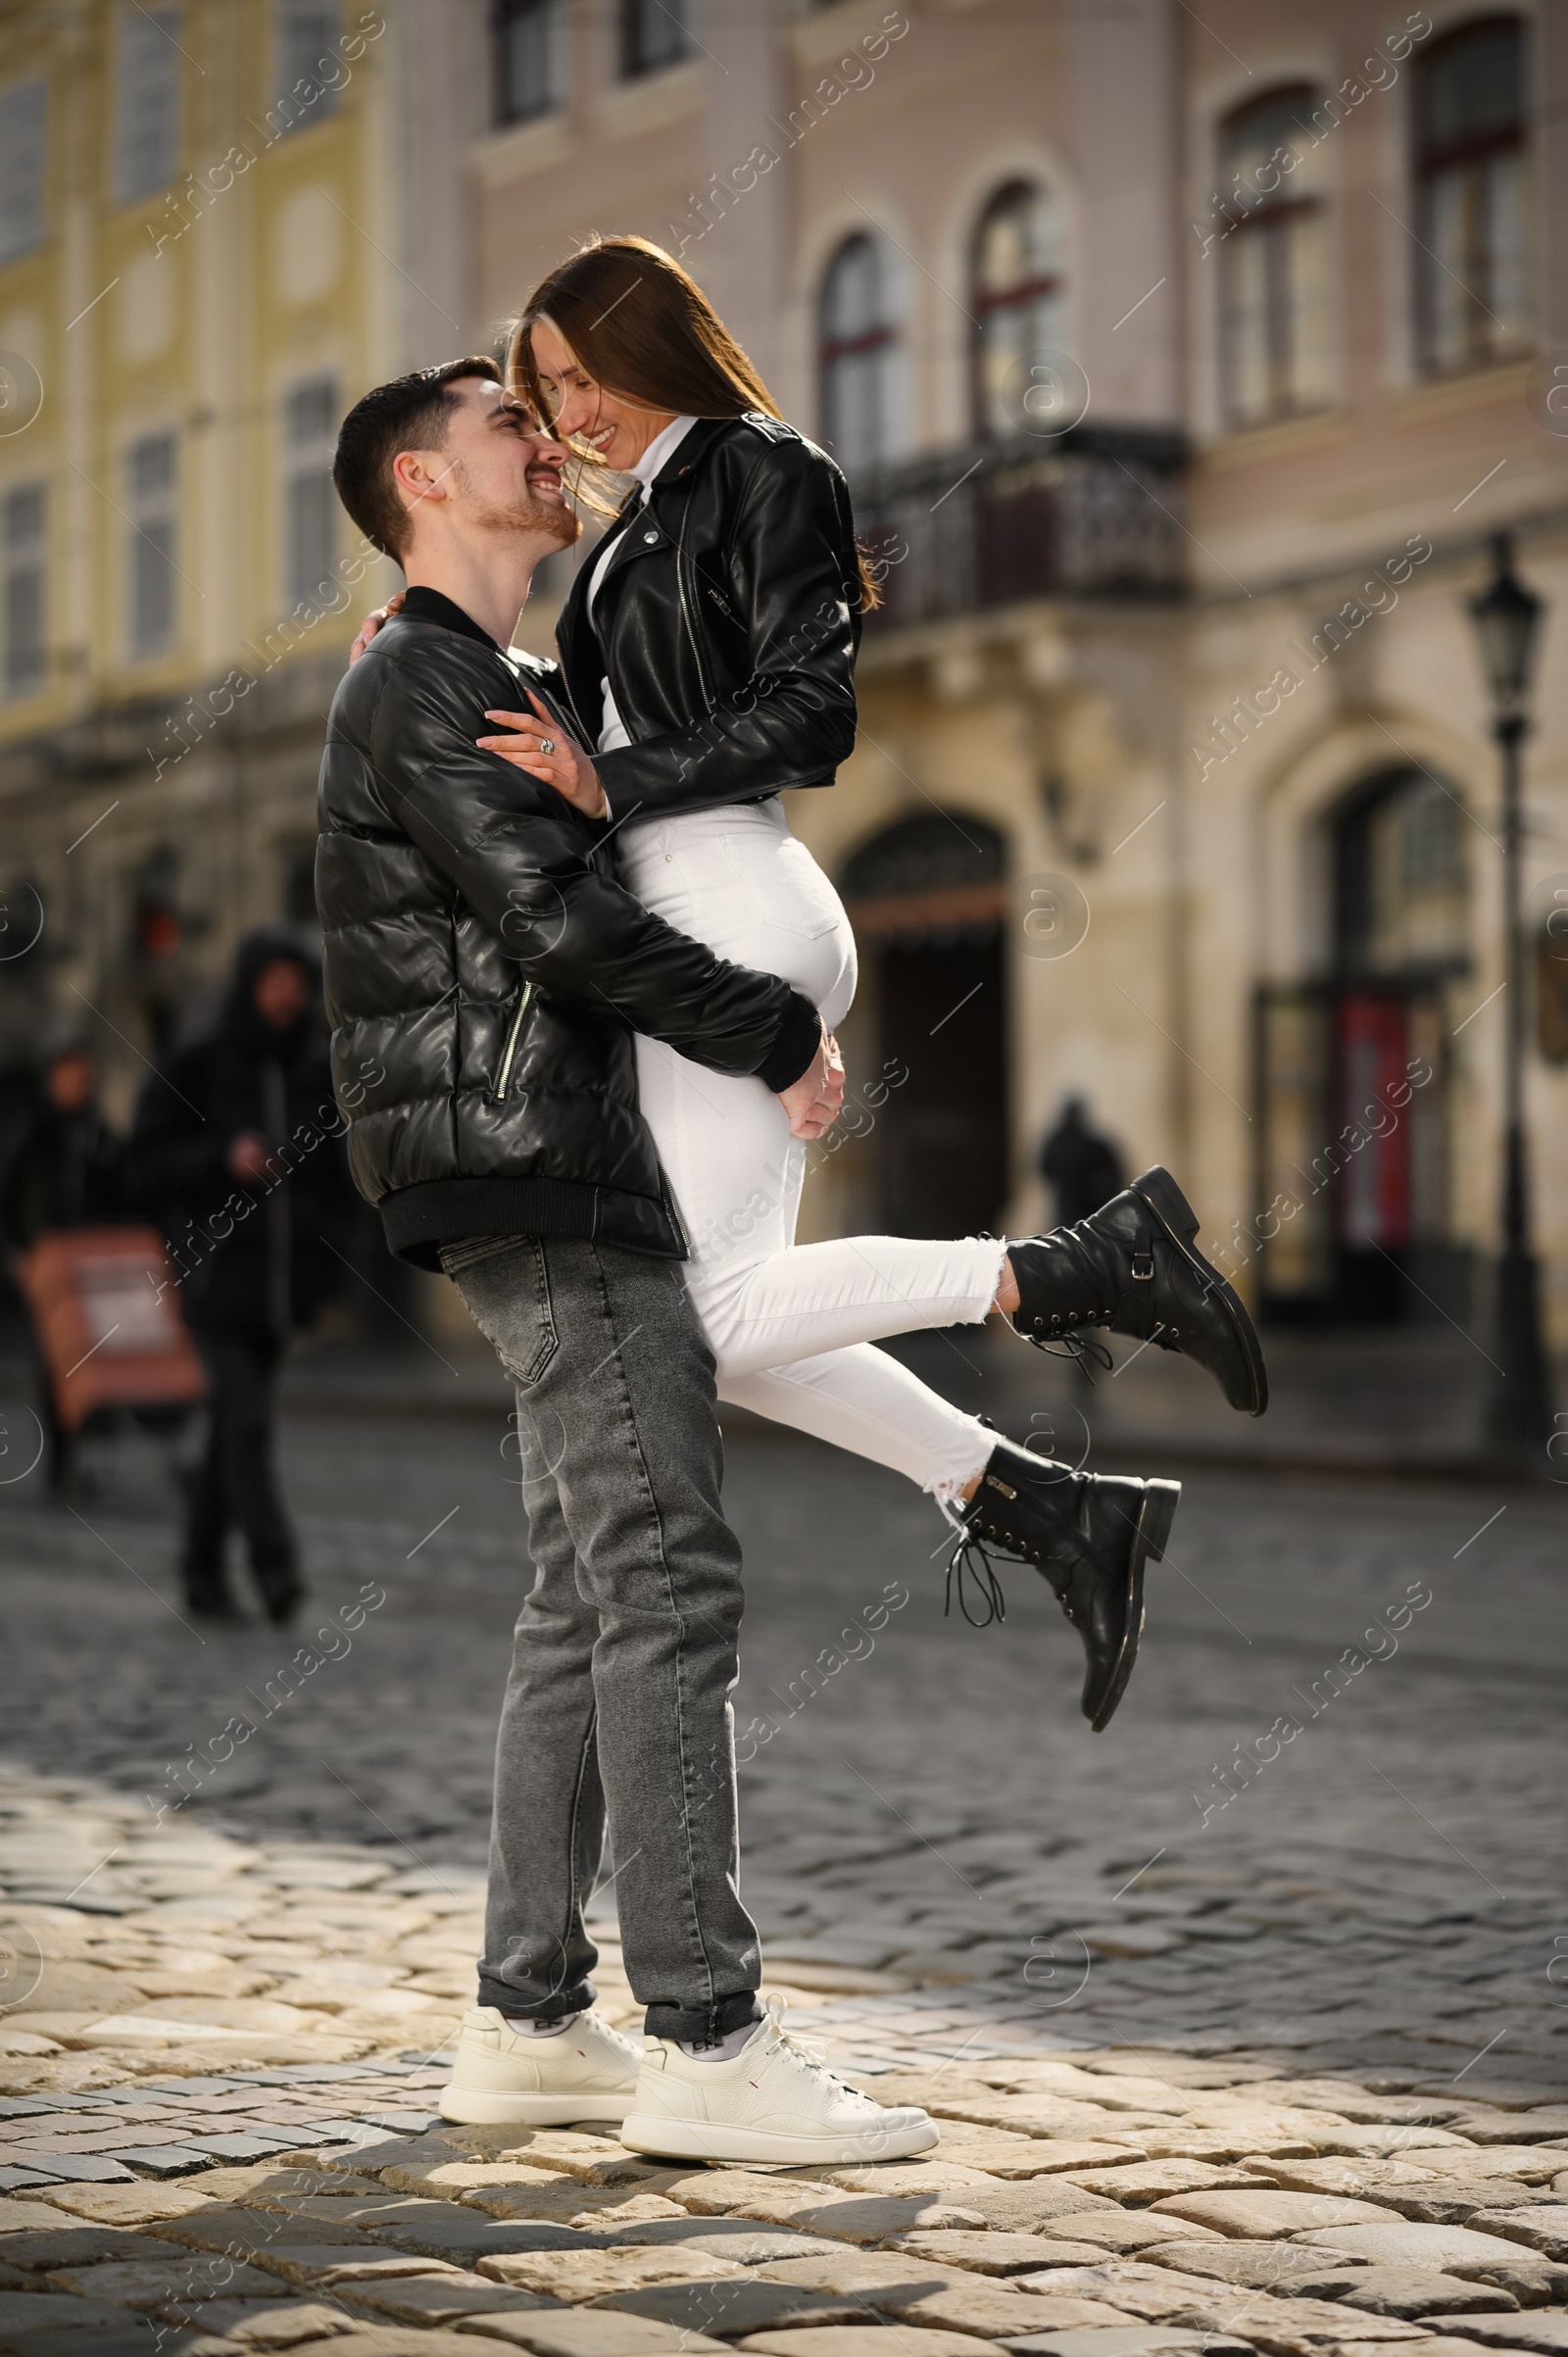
x: 547, y: 744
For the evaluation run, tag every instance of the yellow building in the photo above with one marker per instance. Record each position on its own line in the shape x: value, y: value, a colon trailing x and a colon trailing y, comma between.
x: 193, y: 285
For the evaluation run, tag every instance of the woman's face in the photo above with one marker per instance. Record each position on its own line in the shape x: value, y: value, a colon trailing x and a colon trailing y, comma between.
x: 583, y: 412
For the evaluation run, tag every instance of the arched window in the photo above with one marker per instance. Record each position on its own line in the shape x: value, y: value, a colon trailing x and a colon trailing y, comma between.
x: 1270, y: 233
x: 1017, y: 300
x: 1402, y: 878
x: 857, y: 354
x: 1471, y: 280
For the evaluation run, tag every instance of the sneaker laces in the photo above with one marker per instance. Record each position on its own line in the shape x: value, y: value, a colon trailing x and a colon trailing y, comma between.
x: 807, y: 2054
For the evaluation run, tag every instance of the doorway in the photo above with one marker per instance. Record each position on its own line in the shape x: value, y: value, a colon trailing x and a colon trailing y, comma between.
x: 927, y: 900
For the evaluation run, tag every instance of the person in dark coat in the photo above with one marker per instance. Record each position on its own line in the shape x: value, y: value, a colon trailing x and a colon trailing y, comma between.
x: 1083, y: 1168
x: 236, y: 1149
x: 65, y: 1171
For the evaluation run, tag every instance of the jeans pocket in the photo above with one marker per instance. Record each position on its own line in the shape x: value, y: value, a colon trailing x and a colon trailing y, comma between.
x: 508, y: 1297
x: 784, y: 885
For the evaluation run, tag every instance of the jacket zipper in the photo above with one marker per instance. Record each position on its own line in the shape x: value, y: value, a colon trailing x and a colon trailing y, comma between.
x: 685, y: 609
x: 498, y: 1093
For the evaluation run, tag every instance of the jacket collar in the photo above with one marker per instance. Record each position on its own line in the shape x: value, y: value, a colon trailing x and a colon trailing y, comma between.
x: 431, y: 605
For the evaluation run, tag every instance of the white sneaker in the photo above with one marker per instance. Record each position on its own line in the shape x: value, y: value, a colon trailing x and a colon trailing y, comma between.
x: 773, y: 2102
x: 588, y: 2072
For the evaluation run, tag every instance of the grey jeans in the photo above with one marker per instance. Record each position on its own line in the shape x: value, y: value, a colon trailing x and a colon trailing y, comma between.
x: 618, y: 1703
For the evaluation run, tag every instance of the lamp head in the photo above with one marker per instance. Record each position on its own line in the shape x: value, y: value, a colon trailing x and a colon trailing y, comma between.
x: 1508, y: 619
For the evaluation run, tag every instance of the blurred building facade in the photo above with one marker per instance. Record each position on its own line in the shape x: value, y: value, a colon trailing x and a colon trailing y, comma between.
x: 187, y: 302
x: 1182, y: 371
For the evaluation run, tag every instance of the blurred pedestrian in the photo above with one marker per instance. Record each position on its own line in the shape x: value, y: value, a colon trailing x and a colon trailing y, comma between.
x: 1082, y: 1167
x: 65, y: 1171
x: 236, y: 1148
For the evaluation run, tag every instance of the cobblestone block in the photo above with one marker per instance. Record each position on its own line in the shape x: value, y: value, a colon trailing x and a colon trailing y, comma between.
x: 1144, y: 2183
x: 1253, y: 2215
x: 149, y: 2284
x: 1456, y: 2250
x: 728, y: 2308
x: 998, y: 2254
x: 865, y: 2340
x: 589, y: 2333
x: 1120, y: 2229
x: 1127, y: 2341
x: 1408, y: 2291
x: 1548, y: 2335
x: 1543, y: 2229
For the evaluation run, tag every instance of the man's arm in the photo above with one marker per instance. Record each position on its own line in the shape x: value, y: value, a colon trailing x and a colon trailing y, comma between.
x: 520, y: 856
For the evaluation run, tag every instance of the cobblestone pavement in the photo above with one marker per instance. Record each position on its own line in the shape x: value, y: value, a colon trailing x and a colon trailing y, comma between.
x: 1282, y: 1940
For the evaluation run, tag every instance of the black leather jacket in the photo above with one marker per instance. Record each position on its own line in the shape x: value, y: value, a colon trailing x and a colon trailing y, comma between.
x: 730, y: 617
x: 485, y: 972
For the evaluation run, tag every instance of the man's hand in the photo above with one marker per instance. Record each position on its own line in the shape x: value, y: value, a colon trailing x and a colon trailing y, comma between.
x: 543, y: 748
x: 373, y: 623
x: 814, y: 1100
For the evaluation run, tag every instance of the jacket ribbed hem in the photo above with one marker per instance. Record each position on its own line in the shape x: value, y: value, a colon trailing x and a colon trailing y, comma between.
x: 419, y: 1220
x: 799, y: 1037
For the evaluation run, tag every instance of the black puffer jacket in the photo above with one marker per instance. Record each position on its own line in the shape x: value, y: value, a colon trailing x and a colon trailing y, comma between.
x: 485, y: 972
x: 730, y: 609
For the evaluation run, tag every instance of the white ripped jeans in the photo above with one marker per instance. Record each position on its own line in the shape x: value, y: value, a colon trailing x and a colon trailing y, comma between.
x: 790, y: 1325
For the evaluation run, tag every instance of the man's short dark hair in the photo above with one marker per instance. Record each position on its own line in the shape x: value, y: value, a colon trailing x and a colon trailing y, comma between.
x: 412, y: 413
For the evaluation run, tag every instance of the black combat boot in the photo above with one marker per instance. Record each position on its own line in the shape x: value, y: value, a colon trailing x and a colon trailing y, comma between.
x: 1090, y: 1534
x: 1135, y: 1266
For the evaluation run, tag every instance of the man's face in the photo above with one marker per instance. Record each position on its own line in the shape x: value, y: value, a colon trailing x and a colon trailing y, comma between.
x: 499, y: 472
x: 71, y: 1083
x: 282, y: 993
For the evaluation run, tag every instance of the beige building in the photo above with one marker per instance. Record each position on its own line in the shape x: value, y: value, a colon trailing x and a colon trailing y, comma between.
x: 1182, y: 367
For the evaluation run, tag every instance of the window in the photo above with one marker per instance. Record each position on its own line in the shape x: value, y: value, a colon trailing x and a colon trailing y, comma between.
x: 311, y: 412
x: 1274, y: 318
x: 654, y: 33
x: 23, y: 154
x: 146, y: 101
x: 858, y: 354
x: 1018, y: 301
x: 530, y: 58
x: 1471, y: 287
x: 150, y: 494
x: 21, y: 524
x: 308, y: 63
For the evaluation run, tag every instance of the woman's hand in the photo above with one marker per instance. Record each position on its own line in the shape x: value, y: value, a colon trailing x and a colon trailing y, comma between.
x: 813, y: 1102
x: 373, y: 623
x: 542, y: 746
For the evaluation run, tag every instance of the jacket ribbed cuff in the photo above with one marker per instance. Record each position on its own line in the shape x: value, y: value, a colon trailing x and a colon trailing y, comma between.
x: 798, y: 1039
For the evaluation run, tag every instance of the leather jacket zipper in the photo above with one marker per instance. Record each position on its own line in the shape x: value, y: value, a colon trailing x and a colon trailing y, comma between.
x: 499, y: 1092
x: 685, y: 609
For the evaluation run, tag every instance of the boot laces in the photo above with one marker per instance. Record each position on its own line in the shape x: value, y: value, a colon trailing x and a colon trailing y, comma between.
x: 1081, y: 1348
x: 970, y: 1564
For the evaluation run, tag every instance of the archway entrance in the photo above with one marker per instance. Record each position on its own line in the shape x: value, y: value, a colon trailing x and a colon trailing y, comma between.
x: 927, y: 899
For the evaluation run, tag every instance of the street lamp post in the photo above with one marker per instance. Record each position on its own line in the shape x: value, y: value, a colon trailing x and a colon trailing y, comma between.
x: 1508, y: 619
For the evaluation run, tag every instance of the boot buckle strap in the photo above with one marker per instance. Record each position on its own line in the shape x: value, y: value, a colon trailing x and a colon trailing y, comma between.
x: 1142, y: 1264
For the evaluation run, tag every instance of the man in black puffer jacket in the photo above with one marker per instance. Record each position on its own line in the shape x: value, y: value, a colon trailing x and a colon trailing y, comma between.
x: 486, y: 975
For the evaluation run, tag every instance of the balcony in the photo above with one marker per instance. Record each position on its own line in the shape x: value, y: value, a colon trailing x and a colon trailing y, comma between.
x: 1095, y: 512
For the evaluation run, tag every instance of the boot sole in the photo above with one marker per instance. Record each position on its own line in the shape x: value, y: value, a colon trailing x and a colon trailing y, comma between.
x: 1170, y: 1206
x: 1154, y: 1518
x: 711, y: 2140
x: 479, y: 2107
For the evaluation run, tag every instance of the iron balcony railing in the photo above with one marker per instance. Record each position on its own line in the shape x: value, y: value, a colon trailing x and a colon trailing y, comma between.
x: 1097, y: 512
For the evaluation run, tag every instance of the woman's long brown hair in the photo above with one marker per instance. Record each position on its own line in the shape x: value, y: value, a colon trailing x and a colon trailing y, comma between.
x: 641, y: 326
